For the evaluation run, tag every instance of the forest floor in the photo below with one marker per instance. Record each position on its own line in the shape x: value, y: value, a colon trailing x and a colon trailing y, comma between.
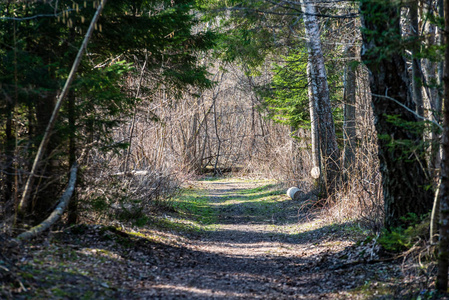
x: 222, y: 239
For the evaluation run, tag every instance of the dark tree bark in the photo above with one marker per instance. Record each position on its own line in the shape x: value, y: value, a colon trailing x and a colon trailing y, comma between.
x: 443, y: 254
x: 72, y: 210
x: 46, y: 185
x: 416, y: 62
x: 349, y: 126
x: 403, y: 172
x: 9, y: 146
x: 24, y: 202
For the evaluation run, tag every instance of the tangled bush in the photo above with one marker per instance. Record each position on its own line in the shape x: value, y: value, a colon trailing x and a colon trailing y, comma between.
x: 131, y: 196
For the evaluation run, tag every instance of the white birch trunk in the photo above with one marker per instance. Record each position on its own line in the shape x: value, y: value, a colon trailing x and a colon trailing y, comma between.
x: 316, y: 168
x: 319, y: 91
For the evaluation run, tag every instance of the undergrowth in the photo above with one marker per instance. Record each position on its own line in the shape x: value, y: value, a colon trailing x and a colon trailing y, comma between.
x: 414, y: 229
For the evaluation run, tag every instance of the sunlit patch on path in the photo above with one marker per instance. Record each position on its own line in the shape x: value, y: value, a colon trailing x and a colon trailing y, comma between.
x: 253, y: 242
x: 219, y: 239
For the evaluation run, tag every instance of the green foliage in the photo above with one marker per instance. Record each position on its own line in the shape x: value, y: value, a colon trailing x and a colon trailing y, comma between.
x: 385, y: 33
x: 407, y: 146
x: 249, y: 31
x: 39, y: 51
x: 40, y: 42
x: 287, y: 99
x: 413, y: 229
x: 102, y: 103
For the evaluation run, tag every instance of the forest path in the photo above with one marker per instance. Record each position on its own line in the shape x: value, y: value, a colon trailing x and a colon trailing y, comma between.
x: 255, y: 244
x: 220, y: 239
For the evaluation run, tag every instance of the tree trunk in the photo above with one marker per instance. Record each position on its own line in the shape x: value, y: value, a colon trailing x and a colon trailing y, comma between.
x: 320, y: 95
x: 7, y: 178
x: 404, y: 178
x: 416, y: 70
x: 217, y: 134
x: 73, y: 204
x: 316, y: 165
x: 435, y: 154
x: 24, y: 202
x: 349, y: 126
x: 46, y: 187
x: 56, y: 214
x: 443, y: 253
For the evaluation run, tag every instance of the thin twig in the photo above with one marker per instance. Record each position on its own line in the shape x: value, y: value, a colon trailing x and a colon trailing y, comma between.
x: 408, y: 109
x: 37, y: 16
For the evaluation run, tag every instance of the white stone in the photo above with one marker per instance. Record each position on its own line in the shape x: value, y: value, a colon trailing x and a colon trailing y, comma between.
x: 315, y: 173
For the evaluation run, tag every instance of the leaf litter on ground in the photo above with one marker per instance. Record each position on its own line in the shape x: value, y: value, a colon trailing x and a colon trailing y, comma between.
x: 256, y: 243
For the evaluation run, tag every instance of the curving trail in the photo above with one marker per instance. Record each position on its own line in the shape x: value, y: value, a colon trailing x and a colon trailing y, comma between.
x: 227, y: 239
x: 260, y: 247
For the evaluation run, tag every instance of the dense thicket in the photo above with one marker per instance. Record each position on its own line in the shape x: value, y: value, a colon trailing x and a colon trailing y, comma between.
x: 41, y: 40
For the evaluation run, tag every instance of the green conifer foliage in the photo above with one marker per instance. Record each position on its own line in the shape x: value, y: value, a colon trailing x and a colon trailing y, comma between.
x: 40, y: 40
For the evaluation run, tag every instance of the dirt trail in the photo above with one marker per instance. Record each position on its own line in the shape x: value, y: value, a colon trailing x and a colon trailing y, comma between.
x: 255, y: 245
x: 262, y: 248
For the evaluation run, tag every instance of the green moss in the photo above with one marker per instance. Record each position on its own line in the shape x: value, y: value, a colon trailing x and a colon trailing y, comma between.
x: 372, y: 290
x: 59, y: 293
x: 88, y: 295
x: 26, y: 275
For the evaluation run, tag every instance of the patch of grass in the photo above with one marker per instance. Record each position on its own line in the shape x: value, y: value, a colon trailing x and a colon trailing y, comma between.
x: 192, y: 212
x: 372, y: 290
x: 259, y: 189
x: 180, y: 225
x: 195, y: 203
x: 59, y: 293
x: 142, y: 221
x: 197, y: 212
x: 255, y: 198
x: 136, y: 233
x: 88, y: 295
x: 212, y: 178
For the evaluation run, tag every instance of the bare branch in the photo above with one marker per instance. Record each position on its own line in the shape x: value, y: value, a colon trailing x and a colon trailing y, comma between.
x: 55, y: 15
x: 27, y: 190
x: 56, y: 214
x: 408, y: 109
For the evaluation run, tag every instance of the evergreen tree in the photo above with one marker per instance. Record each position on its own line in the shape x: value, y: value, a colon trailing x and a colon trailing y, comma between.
x: 406, y: 186
x: 41, y: 41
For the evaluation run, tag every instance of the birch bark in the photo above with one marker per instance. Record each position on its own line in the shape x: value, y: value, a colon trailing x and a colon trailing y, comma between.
x: 316, y: 165
x: 319, y: 94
